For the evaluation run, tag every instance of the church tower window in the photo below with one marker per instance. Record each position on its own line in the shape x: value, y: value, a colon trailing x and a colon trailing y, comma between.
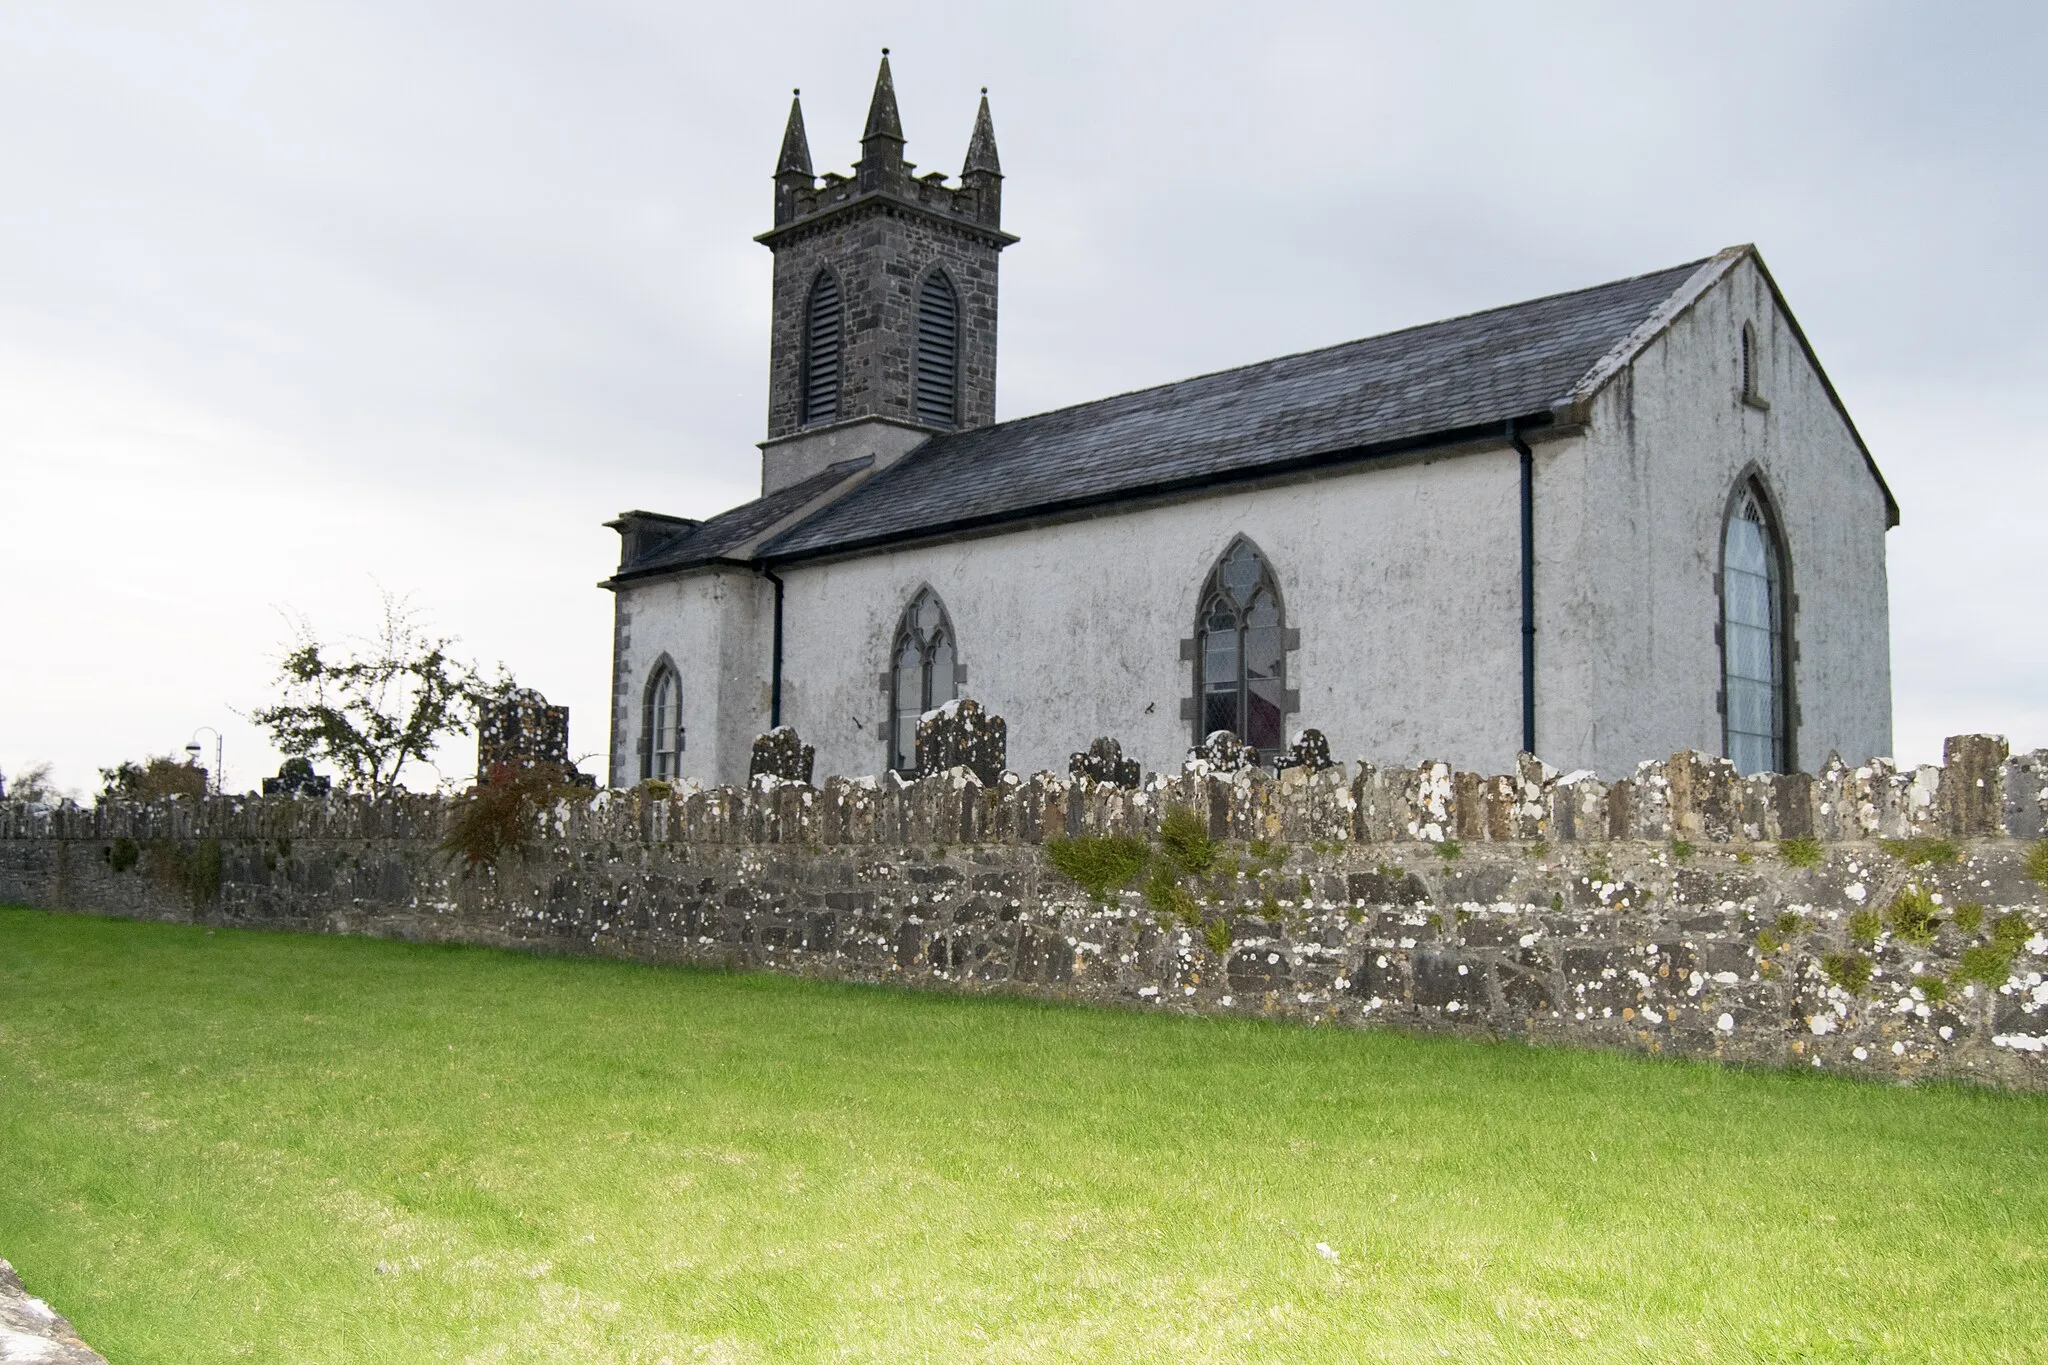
x: 824, y: 331
x: 938, y: 352
x: 1755, y: 638
x: 1241, y: 651
x: 661, y: 745
x: 924, y: 673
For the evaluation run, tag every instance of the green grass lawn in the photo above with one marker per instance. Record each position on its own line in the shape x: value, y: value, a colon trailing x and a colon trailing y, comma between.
x: 235, y: 1146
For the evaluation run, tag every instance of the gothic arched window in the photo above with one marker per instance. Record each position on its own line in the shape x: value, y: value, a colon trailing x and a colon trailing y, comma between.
x: 1755, y: 639
x: 923, y: 673
x: 938, y: 352
x: 1241, y: 651
x: 661, y: 733
x: 824, y: 333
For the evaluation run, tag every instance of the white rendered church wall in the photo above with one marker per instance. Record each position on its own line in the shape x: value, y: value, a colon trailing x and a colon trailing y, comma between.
x: 1631, y: 527
x: 1403, y: 580
x: 714, y: 626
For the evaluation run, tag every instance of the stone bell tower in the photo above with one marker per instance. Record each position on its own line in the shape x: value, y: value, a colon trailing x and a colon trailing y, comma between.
x: 885, y: 297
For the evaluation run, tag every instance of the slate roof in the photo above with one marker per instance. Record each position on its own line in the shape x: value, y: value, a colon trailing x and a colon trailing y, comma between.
x: 1410, y: 389
x: 731, y: 530
x: 1465, y: 372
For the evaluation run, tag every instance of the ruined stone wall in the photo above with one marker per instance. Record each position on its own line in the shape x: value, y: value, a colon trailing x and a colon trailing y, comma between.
x: 1879, y: 922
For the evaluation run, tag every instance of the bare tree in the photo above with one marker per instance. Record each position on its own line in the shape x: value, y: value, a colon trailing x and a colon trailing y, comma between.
x: 31, y: 784
x: 368, y: 707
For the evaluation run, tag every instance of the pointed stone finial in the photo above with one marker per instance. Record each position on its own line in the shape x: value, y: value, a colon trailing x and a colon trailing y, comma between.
x: 981, y: 147
x: 796, y: 147
x: 883, y: 120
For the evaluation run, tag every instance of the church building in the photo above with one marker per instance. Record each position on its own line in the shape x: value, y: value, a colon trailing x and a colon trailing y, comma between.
x: 1601, y: 527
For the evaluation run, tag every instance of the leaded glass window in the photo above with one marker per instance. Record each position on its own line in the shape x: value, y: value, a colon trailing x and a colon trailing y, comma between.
x: 923, y: 670
x: 1753, y: 638
x: 1240, y: 651
x: 663, y: 745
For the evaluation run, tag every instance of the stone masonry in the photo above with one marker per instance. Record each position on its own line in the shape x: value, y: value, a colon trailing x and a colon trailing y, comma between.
x: 1874, y: 921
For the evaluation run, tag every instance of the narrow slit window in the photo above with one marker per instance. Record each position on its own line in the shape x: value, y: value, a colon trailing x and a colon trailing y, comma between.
x: 923, y: 671
x: 1754, y: 651
x: 938, y: 352
x: 1241, y: 652
x: 824, y: 335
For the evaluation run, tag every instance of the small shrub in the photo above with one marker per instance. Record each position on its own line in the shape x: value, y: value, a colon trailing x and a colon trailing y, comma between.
x: 123, y: 854
x: 1801, y: 852
x: 1270, y: 907
x: 1098, y: 866
x: 1933, y: 987
x: 503, y: 813
x: 1767, y: 942
x: 1789, y: 922
x: 1863, y: 926
x: 1681, y: 850
x: 1308, y: 891
x: 1921, y: 850
x: 1218, y: 936
x: 1744, y: 856
x: 1268, y: 851
x: 1540, y: 849
x: 1968, y: 916
x: 1850, y: 971
x: 1184, y: 837
x: 2037, y: 861
x: 1170, y: 900
x: 1557, y: 900
x: 1913, y: 916
x: 1989, y: 963
x: 1449, y: 850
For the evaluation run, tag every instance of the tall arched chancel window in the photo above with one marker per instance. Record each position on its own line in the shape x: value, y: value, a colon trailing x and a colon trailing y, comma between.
x: 1241, y: 652
x: 938, y: 352
x: 1755, y: 639
x: 661, y: 744
x: 824, y: 337
x: 923, y: 674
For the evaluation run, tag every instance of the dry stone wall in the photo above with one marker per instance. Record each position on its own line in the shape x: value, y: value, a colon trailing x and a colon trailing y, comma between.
x: 1883, y: 922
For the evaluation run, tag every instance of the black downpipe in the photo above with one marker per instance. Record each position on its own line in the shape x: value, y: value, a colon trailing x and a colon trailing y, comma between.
x: 775, y: 667
x: 1528, y: 587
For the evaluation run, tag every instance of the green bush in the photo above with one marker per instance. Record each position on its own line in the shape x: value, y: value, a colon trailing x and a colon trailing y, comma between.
x: 1863, y: 926
x: 1170, y: 900
x: 1850, y: 971
x: 2011, y: 932
x: 2037, y: 861
x: 1099, y: 866
x: 1933, y: 987
x: 1450, y: 850
x: 1184, y: 838
x: 1790, y: 922
x: 1921, y: 850
x: 123, y: 854
x: 1681, y: 850
x: 1968, y: 916
x: 1988, y: 963
x: 1218, y: 936
x: 1801, y: 852
x: 1913, y: 915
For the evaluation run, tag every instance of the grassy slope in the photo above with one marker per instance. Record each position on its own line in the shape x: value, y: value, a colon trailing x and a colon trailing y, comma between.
x: 221, y: 1146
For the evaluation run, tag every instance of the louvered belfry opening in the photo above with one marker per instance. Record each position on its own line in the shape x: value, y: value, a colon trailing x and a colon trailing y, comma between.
x: 824, y: 331
x: 938, y: 352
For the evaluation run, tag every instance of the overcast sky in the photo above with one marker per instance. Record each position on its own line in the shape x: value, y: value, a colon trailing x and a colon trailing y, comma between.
x: 302, y: 299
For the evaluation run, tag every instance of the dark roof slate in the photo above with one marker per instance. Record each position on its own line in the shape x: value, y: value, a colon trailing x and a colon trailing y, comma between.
x: 1459, y: 374
x: 731, y: 530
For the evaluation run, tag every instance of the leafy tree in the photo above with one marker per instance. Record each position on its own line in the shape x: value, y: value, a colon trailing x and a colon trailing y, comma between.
x: 154, y: 778
x: 370, y: 706
x: 31, y: 784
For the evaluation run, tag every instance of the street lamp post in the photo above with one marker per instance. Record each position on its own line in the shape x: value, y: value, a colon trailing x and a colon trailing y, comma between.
x: 194, y: 750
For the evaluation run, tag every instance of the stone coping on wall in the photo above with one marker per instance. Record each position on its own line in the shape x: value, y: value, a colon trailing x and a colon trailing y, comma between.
x: 1981, y: 790
x: 31, y: 1330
